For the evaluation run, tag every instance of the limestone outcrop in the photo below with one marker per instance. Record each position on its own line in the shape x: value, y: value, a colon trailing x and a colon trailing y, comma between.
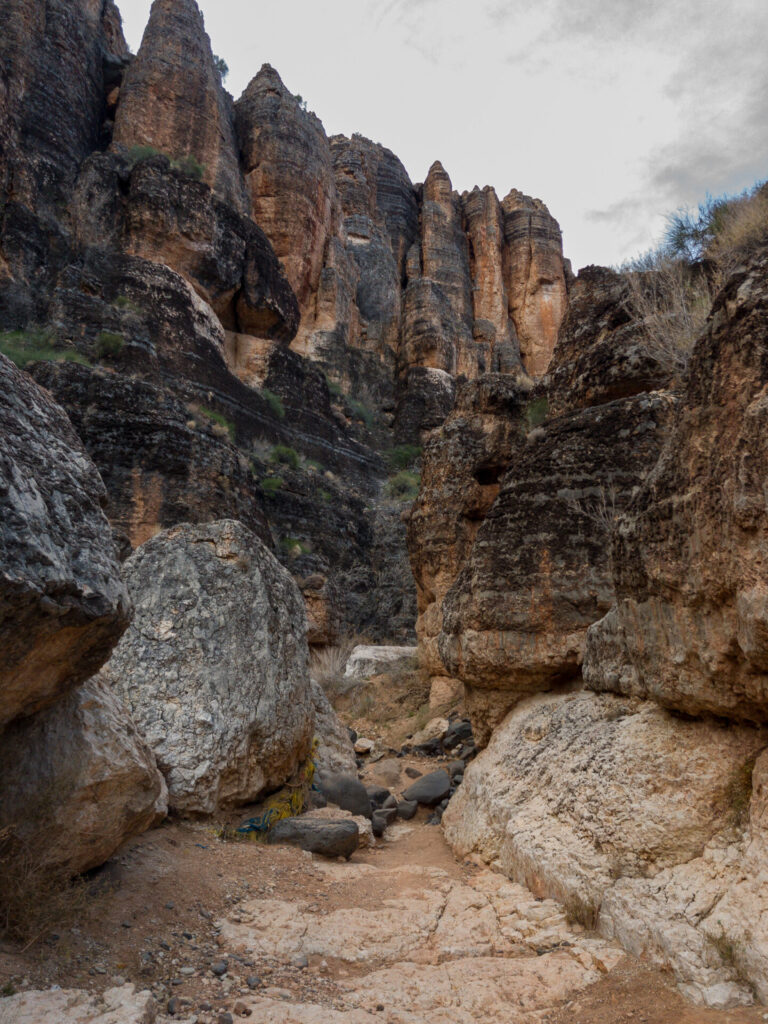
x: 619, y: 810
x: 690, y: 625
x: 214, y: 667
x: 63, y: 604
x: 78, y: 780
x: 462, y: 465
x: 172, y: 100
x: 539, y: 570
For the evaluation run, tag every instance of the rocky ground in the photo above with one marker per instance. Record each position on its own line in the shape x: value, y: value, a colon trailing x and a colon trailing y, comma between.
x: 218, y: 930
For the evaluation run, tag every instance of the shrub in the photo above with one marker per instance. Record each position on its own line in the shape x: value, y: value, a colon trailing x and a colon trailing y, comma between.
x: 404, y: 456
x: 283, y: 453
x: 221, y: 66
x: 362, y: 412
x: 138, y: 153
x: 270, y: 485
x: 36, y: 345
x: 293, y: 546
x: 274, y: 402
x: 404, y: 486
x: 190, y: 166
x: 227, y: 427
x: 536, y: 411
x: 327, y: 664
x: 109, y: 344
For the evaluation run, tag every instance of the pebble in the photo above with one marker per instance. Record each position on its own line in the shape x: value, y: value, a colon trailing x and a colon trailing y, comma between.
x: 219, y: 967
x: 253, y: 981
x: 187, y: 971
x: 127, y: 924
x: 169, y: 905
x: 225, y: 1018
x: 300, y: 960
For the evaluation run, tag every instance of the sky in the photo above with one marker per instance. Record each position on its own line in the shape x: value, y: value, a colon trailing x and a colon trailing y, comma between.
x: 614, y: 112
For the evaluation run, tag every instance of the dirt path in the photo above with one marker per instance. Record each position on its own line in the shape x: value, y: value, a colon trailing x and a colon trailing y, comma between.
x: 401, y: 933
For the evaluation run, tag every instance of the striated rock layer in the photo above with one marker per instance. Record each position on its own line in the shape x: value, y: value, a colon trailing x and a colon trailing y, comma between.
x: 690, y: 625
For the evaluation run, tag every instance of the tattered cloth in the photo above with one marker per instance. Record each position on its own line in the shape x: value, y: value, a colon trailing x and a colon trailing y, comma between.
x: 287, y: 802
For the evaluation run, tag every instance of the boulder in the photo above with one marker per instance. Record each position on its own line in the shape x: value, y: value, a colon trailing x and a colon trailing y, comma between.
x: 77, y: 780
x: 215, y: 666
x: 346, y: 791
x: 335, y: 751
x: 407, y: 809
x: 366, y: 661
x: 435, y: 729
x: 63, y: 604
x: 429, y: 789
x: 329, y: 838
x: 601, y: 802
x: 690, y: 625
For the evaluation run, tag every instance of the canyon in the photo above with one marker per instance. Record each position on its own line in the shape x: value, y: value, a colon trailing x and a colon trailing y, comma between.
x: 264, y: 399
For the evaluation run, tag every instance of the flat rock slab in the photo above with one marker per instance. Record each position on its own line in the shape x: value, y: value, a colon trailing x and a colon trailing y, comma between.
x: 123, y: 1005
x: 366, y: 661
x: 329, y: 838
x: 430, y: 789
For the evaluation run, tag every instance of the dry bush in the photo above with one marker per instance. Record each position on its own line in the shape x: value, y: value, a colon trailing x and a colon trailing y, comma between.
x: 742, y: 230
x: 327, y: 664
x: 35, y: 898
x: 672, y: 300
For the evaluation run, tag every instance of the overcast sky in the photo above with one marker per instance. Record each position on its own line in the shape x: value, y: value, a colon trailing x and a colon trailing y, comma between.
x: 614, y: 112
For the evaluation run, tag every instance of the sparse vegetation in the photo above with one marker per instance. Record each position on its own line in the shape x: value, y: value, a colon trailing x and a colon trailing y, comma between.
x: 109, y: 344
x: 36, y: 345
x: 221, y: 66
x: 270, y: 485
x: 284, y: 455
x: 138, y: 153
x: 293, y: 546
x: 190, y: 166
x: 404, y: 486
x: 123, y: 302
x: 274, y: 402
x: 404, y: 456
x: 222, y: 427
x: 327, y: 666
x: 536, y: 411
x: 362, y: 412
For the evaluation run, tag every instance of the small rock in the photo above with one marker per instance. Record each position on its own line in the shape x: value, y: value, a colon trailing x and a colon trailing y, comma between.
x: 391, y: 801
x: 174, y: 1005
x: 169, y: 905
x: 187, y: 971
x: 413, y: 773
x: 457, y: 732
x: 253, y: 981
x: 352, y: 734
x: 219, y: 967
x: 346, y: 792
x: 241, y: 1009
x: 127, y: 924
x: 300, y: 961
x: 225, y: 1018
x: 436, y: 818
x: 364, y: 745
x: 407, y: 809
x: 377, y: 795
x: 455, y: 768
x: 430, y: 789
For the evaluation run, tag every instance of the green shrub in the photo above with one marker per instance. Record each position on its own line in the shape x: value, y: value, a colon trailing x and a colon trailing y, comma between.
x: 333, y: 387
x: 274, y: 402
x: 283, y: 453
x: 138, y: 153
x: 36, y: 345
x: 404, y: 486
x: 293, y: 546
x: 404, y: 456
x: 270, y: 485
x: 219, y: 420
x: 109, y: 344
x: 325, y: 496
x: 190, y: 166
x: 362, y: 412
x: 536, y: 412
x: 123, y: 302
x: 221, y: 66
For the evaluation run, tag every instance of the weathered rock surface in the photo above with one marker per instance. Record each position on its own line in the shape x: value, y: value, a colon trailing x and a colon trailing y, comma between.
x: 368, y: 660
x: 172, y: 99
x: 580, y: 796
x: 462, y: 465
x: 63, y: 604
x: 79, y: 771
x: 602, y: 352
x: 436, y: 948
x: 334, y: 752
x: 690, y: 628
x: 539, y: 572
x: 215, y: 665
x: 123, y: 1005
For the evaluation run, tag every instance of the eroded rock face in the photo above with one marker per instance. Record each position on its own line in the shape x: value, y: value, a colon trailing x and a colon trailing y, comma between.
x: 690, y: 628
x: 602, y: 352
x: 462, y: 465
x: 585, y: 796
x: 63, y: 604
x: 334, y: 752
x: 172, y: 99
x: 539, y: 571
x: 215, y: 665
x: 80, y: 771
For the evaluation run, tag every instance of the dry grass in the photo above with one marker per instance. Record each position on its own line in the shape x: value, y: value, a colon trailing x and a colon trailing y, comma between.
x: 672, y: 299
x: 742, y: 230
x: 327, y: 666
x: 35, y: 898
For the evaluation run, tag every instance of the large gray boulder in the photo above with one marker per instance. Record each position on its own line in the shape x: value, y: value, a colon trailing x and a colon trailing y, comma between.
x: 215, y: 665
x: 77, y: 780
x: 63, y: 605
x: 334, y: 752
